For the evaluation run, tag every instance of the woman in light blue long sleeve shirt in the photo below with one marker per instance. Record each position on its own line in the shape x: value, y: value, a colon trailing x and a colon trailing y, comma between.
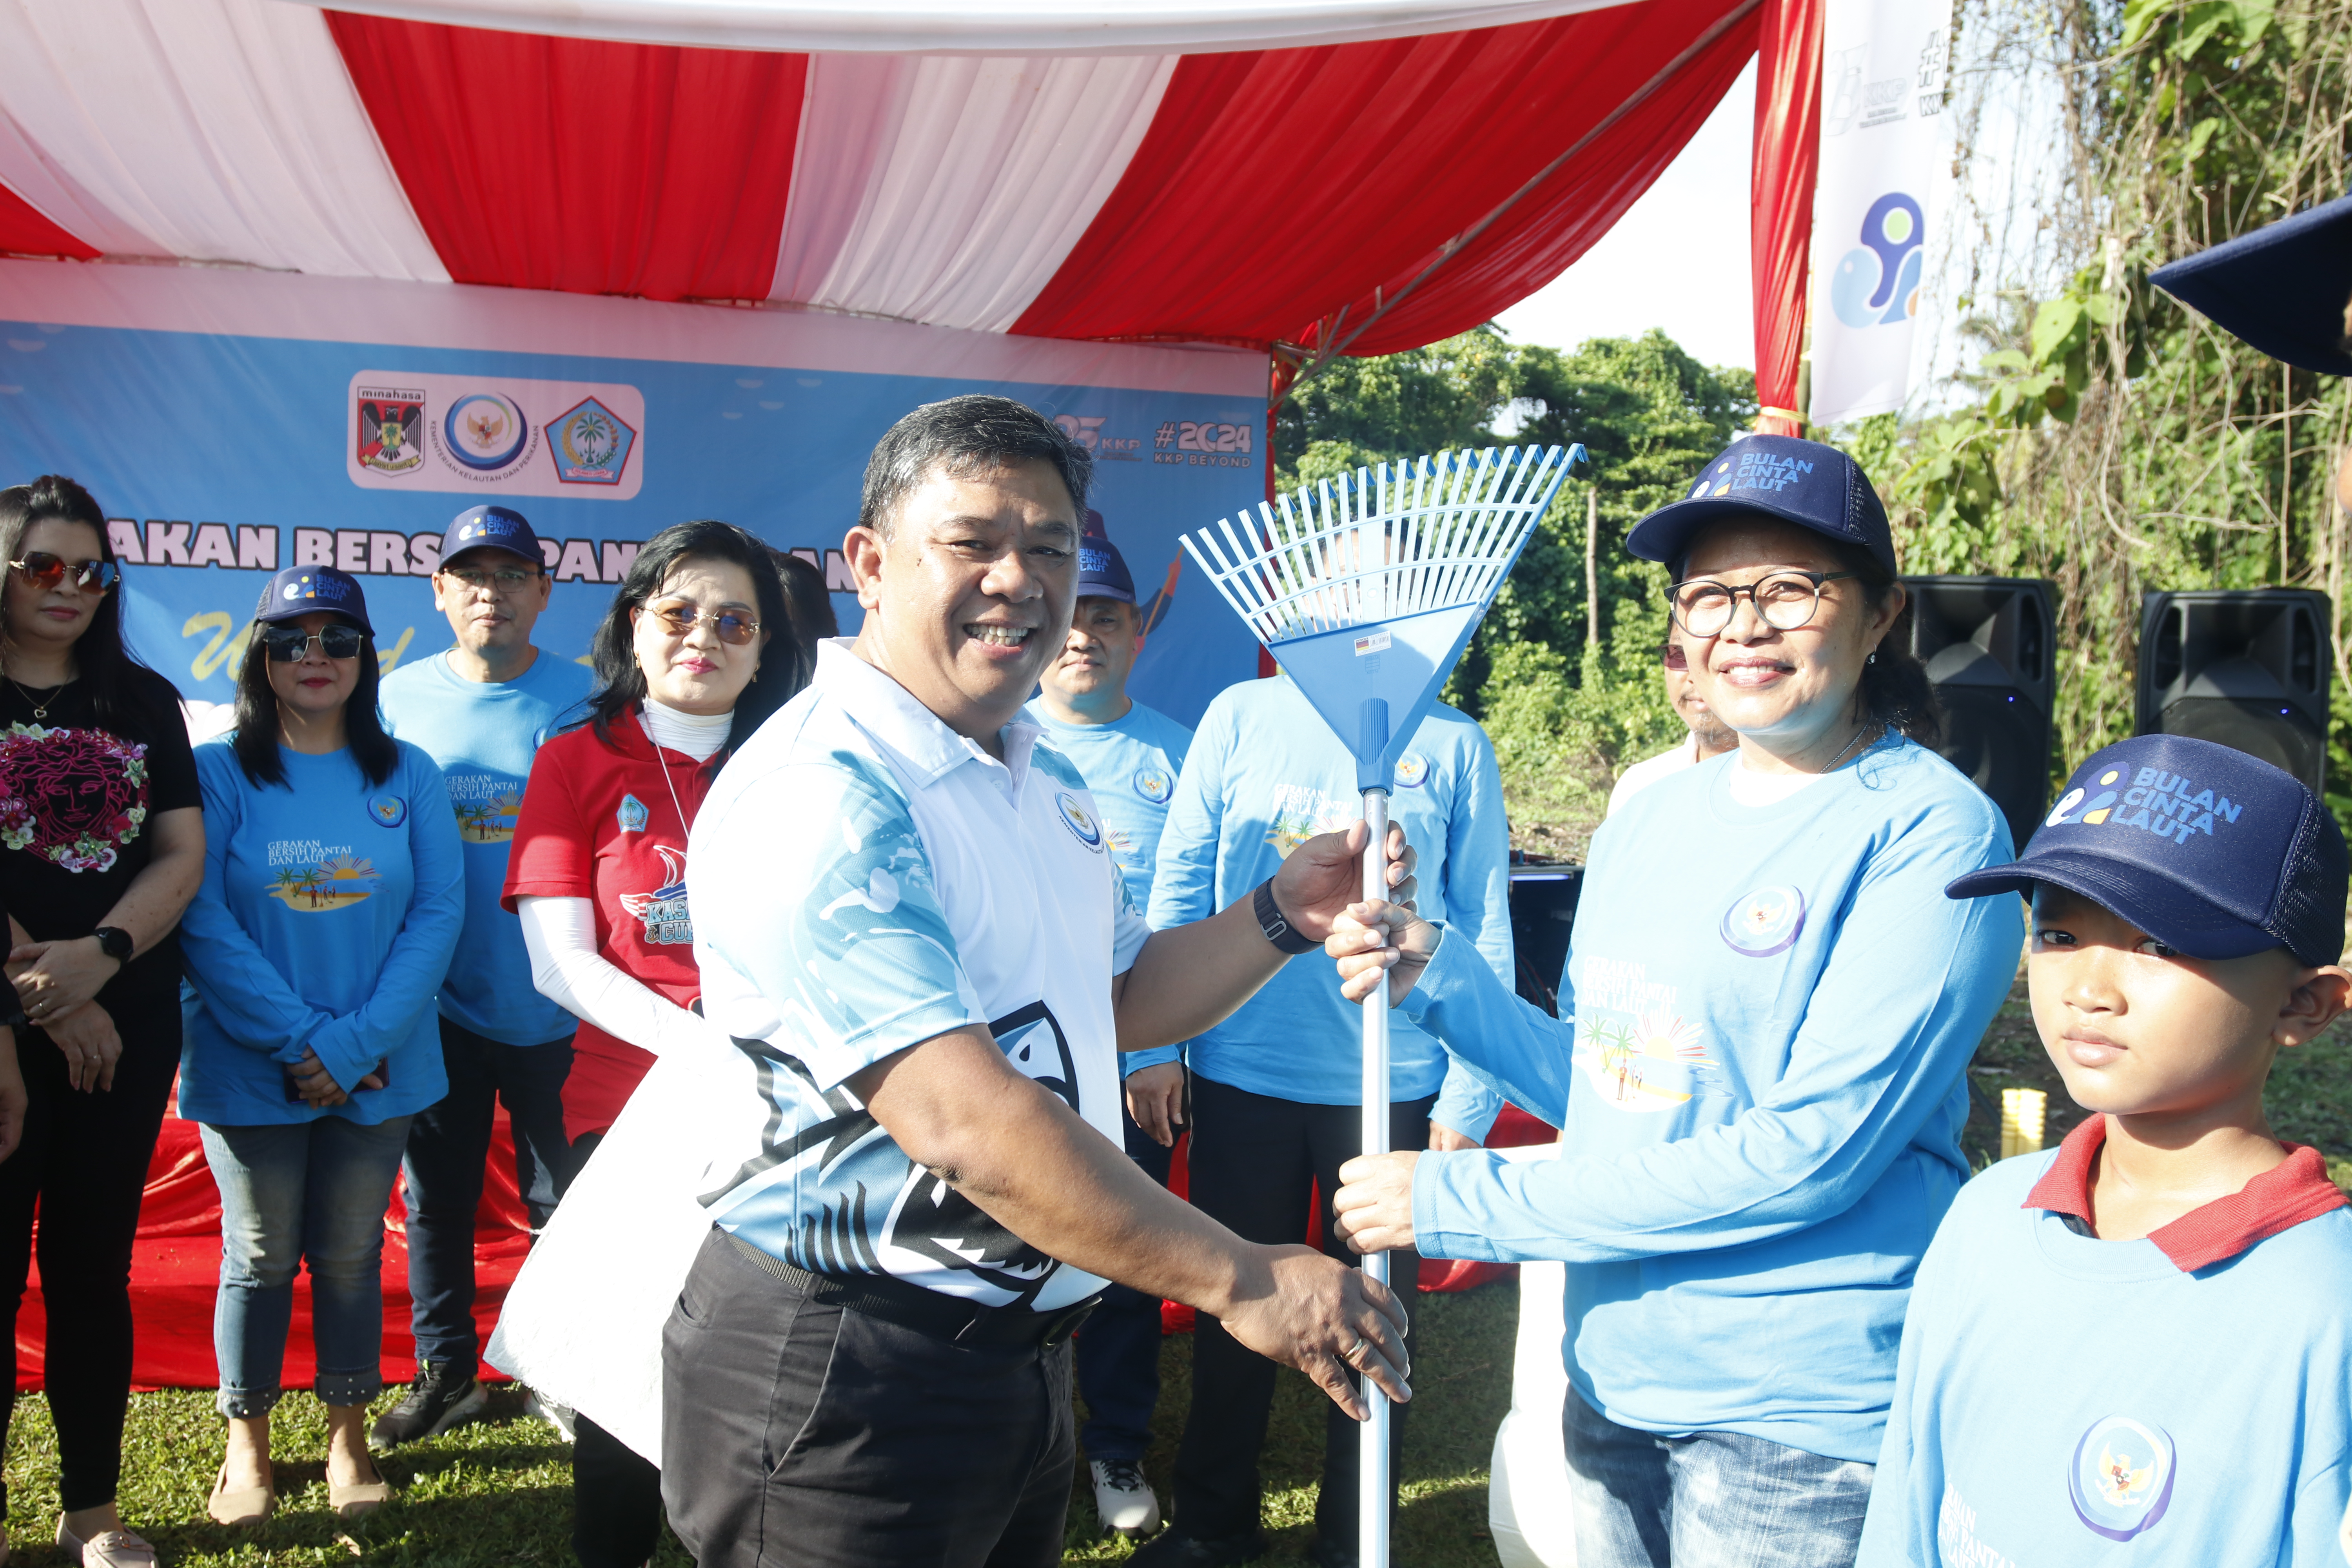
x: 1768, y: 1012
x: 332, y: 898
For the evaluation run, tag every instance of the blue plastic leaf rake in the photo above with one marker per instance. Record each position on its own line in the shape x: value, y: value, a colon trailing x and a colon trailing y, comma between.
x: 1366, y: 588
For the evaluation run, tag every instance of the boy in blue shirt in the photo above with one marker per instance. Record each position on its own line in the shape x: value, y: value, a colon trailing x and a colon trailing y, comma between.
x: 480, y: 709
x: 2140, y: 1335
x: 1130, y: 756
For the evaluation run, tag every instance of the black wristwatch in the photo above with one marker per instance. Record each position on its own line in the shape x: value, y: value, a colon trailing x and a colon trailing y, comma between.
x: 115, y: 943
x: 1277, y: 930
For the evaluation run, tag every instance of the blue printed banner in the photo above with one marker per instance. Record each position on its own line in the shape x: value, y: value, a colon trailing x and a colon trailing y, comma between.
x: 232, y: 423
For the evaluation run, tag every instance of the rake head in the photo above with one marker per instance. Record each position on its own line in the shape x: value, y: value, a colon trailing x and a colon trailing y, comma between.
x: 1367, y: 587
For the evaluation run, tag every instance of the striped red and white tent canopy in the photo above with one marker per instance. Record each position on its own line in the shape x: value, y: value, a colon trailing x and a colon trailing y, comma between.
x: 1375, y: 172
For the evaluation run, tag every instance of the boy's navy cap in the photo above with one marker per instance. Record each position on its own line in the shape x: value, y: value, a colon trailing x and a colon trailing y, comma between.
x: 1798, y: 481
x: 2284, y: 289
x: 1102, y: 570
x: 2205, y: 848
x: 491, y: 528
x: 298, y: 590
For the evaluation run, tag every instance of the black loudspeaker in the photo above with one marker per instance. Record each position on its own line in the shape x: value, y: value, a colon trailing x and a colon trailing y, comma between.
x: 1988, y: 644
x: 2247, y: 668
x: 1543, y: 910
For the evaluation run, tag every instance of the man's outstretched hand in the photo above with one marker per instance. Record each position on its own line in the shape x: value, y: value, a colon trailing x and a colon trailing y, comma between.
x: 1306, y: 1311
x: 1325, y: 875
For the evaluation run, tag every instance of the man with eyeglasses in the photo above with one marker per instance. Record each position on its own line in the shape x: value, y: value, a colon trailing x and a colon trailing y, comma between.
x: 1708, y: 736
x: 481, y: 710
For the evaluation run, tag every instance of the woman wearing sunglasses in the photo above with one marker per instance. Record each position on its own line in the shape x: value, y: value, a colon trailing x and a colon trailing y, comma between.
x: 694, y: 655
x: 332, y: 897
x: 1759, y: 1069
x: 102, y: 843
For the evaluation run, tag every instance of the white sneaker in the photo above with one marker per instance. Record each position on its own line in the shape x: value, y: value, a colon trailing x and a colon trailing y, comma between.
x: 1124, y: 1501
x: 556, y: 1416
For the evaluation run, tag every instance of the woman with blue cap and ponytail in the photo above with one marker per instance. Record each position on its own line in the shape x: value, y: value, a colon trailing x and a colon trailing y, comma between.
x: 332, y: 897
x: 1766, y: 1019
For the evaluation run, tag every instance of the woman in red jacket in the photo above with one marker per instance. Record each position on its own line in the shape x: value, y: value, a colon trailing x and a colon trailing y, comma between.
x: 695, y: 652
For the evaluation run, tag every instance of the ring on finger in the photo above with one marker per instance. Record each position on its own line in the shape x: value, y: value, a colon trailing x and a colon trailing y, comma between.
x: 1349, y: 1355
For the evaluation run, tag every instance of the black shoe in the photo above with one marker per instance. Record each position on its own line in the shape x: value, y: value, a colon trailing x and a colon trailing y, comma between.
x: 1174, y: 1549
x: 436, y: 1402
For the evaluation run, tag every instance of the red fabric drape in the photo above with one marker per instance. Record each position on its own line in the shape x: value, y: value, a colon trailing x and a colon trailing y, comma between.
x: 592, y: 167
x: 1786, y: 156
x: 1276, y: 186
x: 25, y: 232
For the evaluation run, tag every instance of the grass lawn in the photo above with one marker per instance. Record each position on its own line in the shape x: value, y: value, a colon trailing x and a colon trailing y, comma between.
x: 500, y: 1492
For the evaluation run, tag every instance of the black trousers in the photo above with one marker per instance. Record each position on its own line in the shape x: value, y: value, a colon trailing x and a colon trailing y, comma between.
x: 616, y: 1504
x: 448, y: 1151
x: 83, y: 1166
x: 801, y: 1434
x: 1253, y: 1160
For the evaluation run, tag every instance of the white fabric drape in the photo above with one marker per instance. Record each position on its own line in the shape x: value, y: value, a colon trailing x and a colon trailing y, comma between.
x: 208, y: 129
x: 977, y: 27
x: 951, y: 189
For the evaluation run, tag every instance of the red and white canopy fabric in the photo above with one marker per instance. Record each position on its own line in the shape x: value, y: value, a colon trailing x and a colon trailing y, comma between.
x: 1394, y: 172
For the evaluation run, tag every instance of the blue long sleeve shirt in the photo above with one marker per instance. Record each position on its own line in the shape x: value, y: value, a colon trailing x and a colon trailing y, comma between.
x: 483, y: 735
x: 1264, y: 775
x: 327, y: 914
x: 2065, y: 1402
x: 1766, y: 1017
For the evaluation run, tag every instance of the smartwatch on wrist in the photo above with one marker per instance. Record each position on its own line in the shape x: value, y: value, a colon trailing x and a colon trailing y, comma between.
x: 1278, y: 931
x: 115, y: 943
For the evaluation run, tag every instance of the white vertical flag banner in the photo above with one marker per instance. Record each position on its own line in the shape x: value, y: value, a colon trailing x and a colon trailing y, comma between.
x: 1883, y: 63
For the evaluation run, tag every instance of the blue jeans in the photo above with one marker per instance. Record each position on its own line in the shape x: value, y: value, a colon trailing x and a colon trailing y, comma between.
x: 448, y: 1150
x: 1117, y: 1350
x: 1710, y: 1500
x: 311, y: 1192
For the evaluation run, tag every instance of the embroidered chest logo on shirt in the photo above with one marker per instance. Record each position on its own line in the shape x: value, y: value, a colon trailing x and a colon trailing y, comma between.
x: 1154, y: 786
x: 2121, y: 1477
x: 662, y: 911
x: 1412, y: 771
x: 1079, y: 821
x: 1764, y: 922
x: 387, y: 810
x: 633, y: 815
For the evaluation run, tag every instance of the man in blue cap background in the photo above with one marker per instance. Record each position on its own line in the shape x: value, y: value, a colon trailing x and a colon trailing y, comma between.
x: 481, y: 709
x: 1130, y: 756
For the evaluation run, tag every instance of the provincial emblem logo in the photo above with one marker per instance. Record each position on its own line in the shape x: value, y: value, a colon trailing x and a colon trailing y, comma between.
x: 1764, y: 922
x: 388, y: 417
x: 1079, y: 820
x: 631, y: 816
x: 591, y: 445
x: 2121, y: 1477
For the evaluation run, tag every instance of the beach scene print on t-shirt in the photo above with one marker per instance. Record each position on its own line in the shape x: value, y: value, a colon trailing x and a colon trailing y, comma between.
x: 663, y: 912
x: 71, y: 796
x: 1300, y: 813
x: 313, y: 878
x: 1631, y: 1039
x: 486, y: 806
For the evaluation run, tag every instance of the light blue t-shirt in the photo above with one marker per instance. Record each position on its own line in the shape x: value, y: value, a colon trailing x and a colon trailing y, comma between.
x: 328, y: 913
x: 1265, y: 774
x: 1131, y: 765
x: 484, y: 734
x: 2065, y: 1402
x: 1767, y: 1018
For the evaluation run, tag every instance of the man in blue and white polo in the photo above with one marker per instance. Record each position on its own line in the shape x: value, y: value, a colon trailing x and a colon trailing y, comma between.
x: 907, y: 925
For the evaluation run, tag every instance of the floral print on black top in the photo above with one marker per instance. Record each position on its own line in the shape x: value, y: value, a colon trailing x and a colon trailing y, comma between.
x: 72, y: 796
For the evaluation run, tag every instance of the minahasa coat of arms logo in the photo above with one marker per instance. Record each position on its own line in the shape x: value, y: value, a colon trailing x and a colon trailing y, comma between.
x: 388, y: 418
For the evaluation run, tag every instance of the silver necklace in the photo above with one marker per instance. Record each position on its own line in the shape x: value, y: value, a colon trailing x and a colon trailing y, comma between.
x: 1871, y: 732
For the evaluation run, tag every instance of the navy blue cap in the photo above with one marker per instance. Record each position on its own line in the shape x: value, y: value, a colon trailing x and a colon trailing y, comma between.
x: 491, y: 528
x: 1798, y: 481
x: 2205, y: 848
x: 298, y: 590
x: 1102, y: 570
x: 2284, y: 289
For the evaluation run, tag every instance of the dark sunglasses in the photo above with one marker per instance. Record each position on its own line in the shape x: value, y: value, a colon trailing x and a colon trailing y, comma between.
x: 732, y: 625
x: 42, y: 570
x: 286, y: 645
x: 1676, y: 657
